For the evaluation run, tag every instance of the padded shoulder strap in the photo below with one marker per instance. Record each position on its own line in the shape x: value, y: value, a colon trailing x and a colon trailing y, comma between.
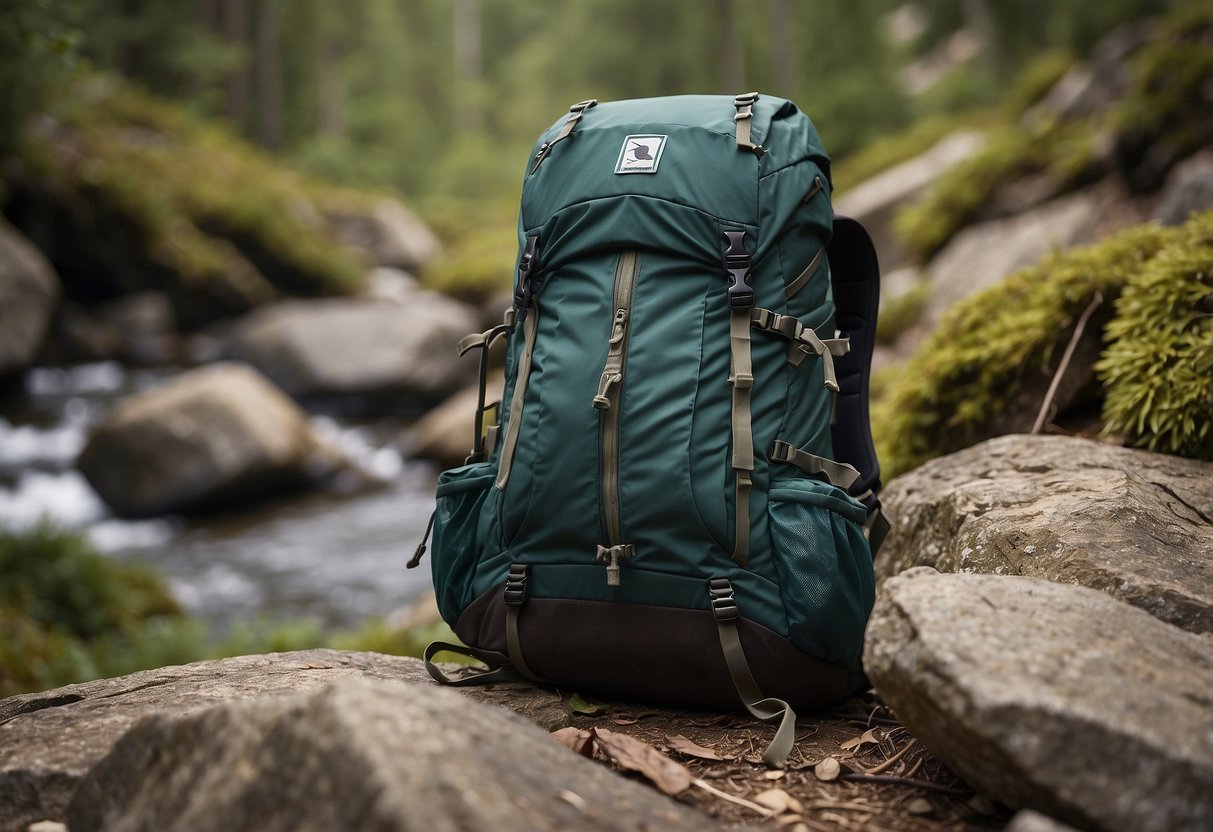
x: 855, y: 274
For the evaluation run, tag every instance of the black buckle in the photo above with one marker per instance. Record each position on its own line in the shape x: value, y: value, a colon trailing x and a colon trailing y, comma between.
x: 581, y: 106
x: 781, y: 452
x: 515, y: 584
x: 526, y: 265
x: 737, y: 265
x: 724, y: 606
x: 744, y: 99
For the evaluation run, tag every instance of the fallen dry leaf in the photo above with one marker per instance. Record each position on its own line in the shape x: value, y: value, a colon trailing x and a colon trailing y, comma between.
x: 774, y: 774
x: 634, y: 755
x: 619, y: 721
x: 573, y: 799
x: 920, y: 806
x: 778, y: 801
x: 868, y: 736
x: 828, y: 769
x: 584, y: 706
x: 685, y: 746
x: 577, y: 740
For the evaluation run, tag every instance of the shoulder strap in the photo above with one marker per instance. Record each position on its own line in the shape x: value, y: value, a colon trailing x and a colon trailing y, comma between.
x: 855, y: 275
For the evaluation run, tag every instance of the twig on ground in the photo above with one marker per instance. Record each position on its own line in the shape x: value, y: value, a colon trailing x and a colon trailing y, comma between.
x: 1064, y: 365
x: 740, y: 801
x: 894, y: 780
x: 889, y: 762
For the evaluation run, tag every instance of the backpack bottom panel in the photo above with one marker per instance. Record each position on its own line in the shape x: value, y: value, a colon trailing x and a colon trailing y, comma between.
x: 651, y: 653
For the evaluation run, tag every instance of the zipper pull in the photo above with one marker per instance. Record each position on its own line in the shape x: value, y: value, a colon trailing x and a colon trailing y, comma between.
x: 429, y: 527
x: 612, y: 373
x: 603, y: 401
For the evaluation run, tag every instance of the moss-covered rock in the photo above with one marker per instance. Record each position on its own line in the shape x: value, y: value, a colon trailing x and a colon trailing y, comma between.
x: 1158, y: 367
x: 127, y: 192
x: 973, y: 368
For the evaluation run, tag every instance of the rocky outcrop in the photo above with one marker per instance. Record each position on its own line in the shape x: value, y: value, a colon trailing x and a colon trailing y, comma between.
x: 359, y: 755
x: 358, y: 356
x: 876, y: 201
x: 50, y: 740
x: 390, y: 232
x: 1051, y: 697
x: 444, y: 434
x: 29, y: 292
x: 1189, y: 188
x: 983, y: 254
x: 212, y: 438
x: 1136, y: 525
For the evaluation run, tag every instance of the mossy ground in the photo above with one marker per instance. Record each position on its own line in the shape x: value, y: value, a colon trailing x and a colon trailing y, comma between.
x: 972, y: 367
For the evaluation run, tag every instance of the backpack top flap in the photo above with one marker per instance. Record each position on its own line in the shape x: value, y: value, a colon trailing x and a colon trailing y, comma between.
x: 677, y: 150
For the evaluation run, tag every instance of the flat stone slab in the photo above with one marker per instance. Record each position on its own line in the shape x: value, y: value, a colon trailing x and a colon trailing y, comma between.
x: 1136, y: 525
x: 49, y: 740
x: 359, y: 754
x: 1051, y: 697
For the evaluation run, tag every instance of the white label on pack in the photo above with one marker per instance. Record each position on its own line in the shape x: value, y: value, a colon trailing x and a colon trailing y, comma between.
x: 640, y: 154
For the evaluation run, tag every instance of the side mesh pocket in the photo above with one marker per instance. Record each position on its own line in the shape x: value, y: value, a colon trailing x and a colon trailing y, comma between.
x: 825, y: 567
x: 456, y: 548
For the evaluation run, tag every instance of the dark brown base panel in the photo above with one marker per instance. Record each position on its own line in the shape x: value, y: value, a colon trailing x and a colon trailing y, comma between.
x: 652, y: 654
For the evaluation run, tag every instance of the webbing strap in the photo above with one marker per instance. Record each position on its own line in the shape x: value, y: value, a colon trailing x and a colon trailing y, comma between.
x: 767, y: 709
x: 838, y: 473
x: 499, y: 668
x: 796, y: 285
x: 530, y: 326
x: 804, y: 340
x: 741, y: 376
x: 515, y: 596
x: 566, y: 130
x: 744, y: 120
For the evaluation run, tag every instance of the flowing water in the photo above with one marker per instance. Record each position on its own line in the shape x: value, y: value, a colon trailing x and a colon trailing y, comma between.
x: 335, y: 559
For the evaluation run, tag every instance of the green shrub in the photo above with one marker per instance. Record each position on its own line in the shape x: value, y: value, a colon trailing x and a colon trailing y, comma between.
x: 69, y: 614
x: 900, y: 313
x: 1158, y: 367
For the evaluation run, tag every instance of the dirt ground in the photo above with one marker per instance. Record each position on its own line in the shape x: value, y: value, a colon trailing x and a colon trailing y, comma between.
x: 885, y: 779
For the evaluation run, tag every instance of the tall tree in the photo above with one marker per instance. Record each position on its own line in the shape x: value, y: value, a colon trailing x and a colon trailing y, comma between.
x: 238, y: 85
x: 269, y: 75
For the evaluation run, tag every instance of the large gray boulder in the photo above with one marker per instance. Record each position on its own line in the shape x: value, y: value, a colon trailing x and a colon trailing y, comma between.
x: 389, y: 232
x: 981, y: 255
x: 444, y: 434
x: 359, y: 755
x: 1051, y: 697
x: 1134, y: 524
x: 876, y: 202
x: 372, y: 357
x: 215, y: 437
x: 29, y: 293
x: 50, y: 740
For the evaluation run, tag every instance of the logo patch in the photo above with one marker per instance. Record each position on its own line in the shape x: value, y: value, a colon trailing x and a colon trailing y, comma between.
x: 640, y: 154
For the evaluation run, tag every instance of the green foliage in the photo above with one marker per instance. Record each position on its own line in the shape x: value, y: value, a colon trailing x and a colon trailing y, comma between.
x: 971, y: 368
x: 1163, y: 110
x: 900, y: 313
x: 1158, y: 366
x: 38, y: 50
x: 1035, y: 81
x: 890, y: 151
x: 69, y: 614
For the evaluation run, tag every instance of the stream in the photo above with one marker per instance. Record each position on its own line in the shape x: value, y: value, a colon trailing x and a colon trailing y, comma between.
x: 330, y: 558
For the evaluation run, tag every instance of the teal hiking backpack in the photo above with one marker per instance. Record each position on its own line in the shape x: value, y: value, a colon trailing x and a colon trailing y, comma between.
x: 677, y: 501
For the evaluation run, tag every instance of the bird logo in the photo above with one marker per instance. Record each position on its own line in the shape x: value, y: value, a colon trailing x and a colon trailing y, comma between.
x: 640, y: 152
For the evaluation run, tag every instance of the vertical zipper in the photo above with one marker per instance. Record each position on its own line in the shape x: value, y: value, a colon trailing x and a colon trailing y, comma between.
x: 610, y: 388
